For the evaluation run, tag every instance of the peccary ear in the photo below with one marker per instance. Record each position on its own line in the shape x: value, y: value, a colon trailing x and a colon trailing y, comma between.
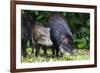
x: 48, y: 29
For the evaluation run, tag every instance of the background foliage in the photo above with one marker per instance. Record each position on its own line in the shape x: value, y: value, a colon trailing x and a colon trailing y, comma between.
x: 79, y: 24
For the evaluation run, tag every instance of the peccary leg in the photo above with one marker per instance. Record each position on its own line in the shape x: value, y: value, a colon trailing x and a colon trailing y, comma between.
x: 45, y: 51
x: 57, y: 52
x: 53, y: 51
x: 23, y: 48
x: 37, y: 51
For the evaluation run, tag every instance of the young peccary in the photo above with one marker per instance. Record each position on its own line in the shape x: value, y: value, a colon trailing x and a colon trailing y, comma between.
x: 41, y: 38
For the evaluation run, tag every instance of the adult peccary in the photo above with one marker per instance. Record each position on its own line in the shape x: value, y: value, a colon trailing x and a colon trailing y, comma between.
x: 60, y: 34
x: 27, y: 23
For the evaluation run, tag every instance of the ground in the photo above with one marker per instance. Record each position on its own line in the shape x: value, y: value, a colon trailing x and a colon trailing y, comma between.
x: 78, y: 54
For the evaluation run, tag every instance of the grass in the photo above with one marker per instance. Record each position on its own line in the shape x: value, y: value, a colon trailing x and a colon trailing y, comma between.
x: 78, y: 54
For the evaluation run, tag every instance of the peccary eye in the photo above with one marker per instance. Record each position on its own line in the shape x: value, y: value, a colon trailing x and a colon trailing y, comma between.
x: 42, y: 36
x: 25, y: 34
x: 69, y: 45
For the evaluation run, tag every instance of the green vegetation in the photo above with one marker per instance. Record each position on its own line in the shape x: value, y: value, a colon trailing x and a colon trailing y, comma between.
x: 78, y: 54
